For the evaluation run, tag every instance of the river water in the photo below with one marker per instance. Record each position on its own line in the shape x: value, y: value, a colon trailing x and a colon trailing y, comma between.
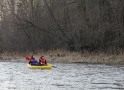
x: 16, y: 76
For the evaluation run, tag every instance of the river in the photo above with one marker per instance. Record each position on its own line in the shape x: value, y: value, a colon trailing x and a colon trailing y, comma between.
x: 16, y: 76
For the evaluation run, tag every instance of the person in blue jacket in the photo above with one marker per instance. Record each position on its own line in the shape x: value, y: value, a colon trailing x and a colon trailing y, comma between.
x: 33, y: 61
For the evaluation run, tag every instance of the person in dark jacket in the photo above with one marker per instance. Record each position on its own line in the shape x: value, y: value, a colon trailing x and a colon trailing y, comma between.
x: 33, y: 61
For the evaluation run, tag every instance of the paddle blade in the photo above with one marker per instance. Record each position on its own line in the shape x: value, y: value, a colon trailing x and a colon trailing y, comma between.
x: 27, y: 58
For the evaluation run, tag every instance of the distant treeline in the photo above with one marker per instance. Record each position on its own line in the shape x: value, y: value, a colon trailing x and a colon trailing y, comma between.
x: 75, y: 25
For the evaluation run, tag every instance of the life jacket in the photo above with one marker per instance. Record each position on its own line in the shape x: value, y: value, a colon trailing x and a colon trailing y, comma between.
x: 43, y: 61
x: 34, y: 62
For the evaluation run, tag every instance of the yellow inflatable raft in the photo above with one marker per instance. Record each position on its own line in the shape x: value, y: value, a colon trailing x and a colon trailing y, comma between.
x: 48, y: 66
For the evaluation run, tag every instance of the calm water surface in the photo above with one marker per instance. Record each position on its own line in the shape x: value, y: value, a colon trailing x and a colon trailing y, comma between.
x: 16, y: 76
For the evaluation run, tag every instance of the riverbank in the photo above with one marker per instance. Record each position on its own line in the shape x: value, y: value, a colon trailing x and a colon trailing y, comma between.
x: 60, y: 56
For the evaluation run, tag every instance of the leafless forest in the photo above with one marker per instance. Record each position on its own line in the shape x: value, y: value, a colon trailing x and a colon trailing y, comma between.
x: 75, y: 25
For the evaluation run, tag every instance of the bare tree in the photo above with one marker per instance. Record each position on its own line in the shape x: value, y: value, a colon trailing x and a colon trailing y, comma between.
x: 70, y: 24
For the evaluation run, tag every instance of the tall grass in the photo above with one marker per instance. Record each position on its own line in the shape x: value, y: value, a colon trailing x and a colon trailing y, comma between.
x: 65, y: 56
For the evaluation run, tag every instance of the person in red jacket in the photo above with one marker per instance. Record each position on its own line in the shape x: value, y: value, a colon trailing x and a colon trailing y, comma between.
x: 42, y: 61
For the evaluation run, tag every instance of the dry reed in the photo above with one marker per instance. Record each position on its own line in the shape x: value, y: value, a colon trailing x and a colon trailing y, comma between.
x: 64, y: 56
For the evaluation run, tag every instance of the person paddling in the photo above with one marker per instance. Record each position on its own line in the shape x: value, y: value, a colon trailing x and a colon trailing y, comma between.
x: 42, y: 61
x: 33, y: 61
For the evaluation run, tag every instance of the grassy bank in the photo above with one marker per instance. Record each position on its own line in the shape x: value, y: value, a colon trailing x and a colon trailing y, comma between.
x: 63, y: 56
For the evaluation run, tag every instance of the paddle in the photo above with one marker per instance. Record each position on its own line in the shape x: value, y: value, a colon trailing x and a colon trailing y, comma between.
x: 54, y: 66
x: 27, y: 58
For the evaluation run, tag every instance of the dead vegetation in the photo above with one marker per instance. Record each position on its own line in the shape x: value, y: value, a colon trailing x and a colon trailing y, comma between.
x: 64, y: 56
